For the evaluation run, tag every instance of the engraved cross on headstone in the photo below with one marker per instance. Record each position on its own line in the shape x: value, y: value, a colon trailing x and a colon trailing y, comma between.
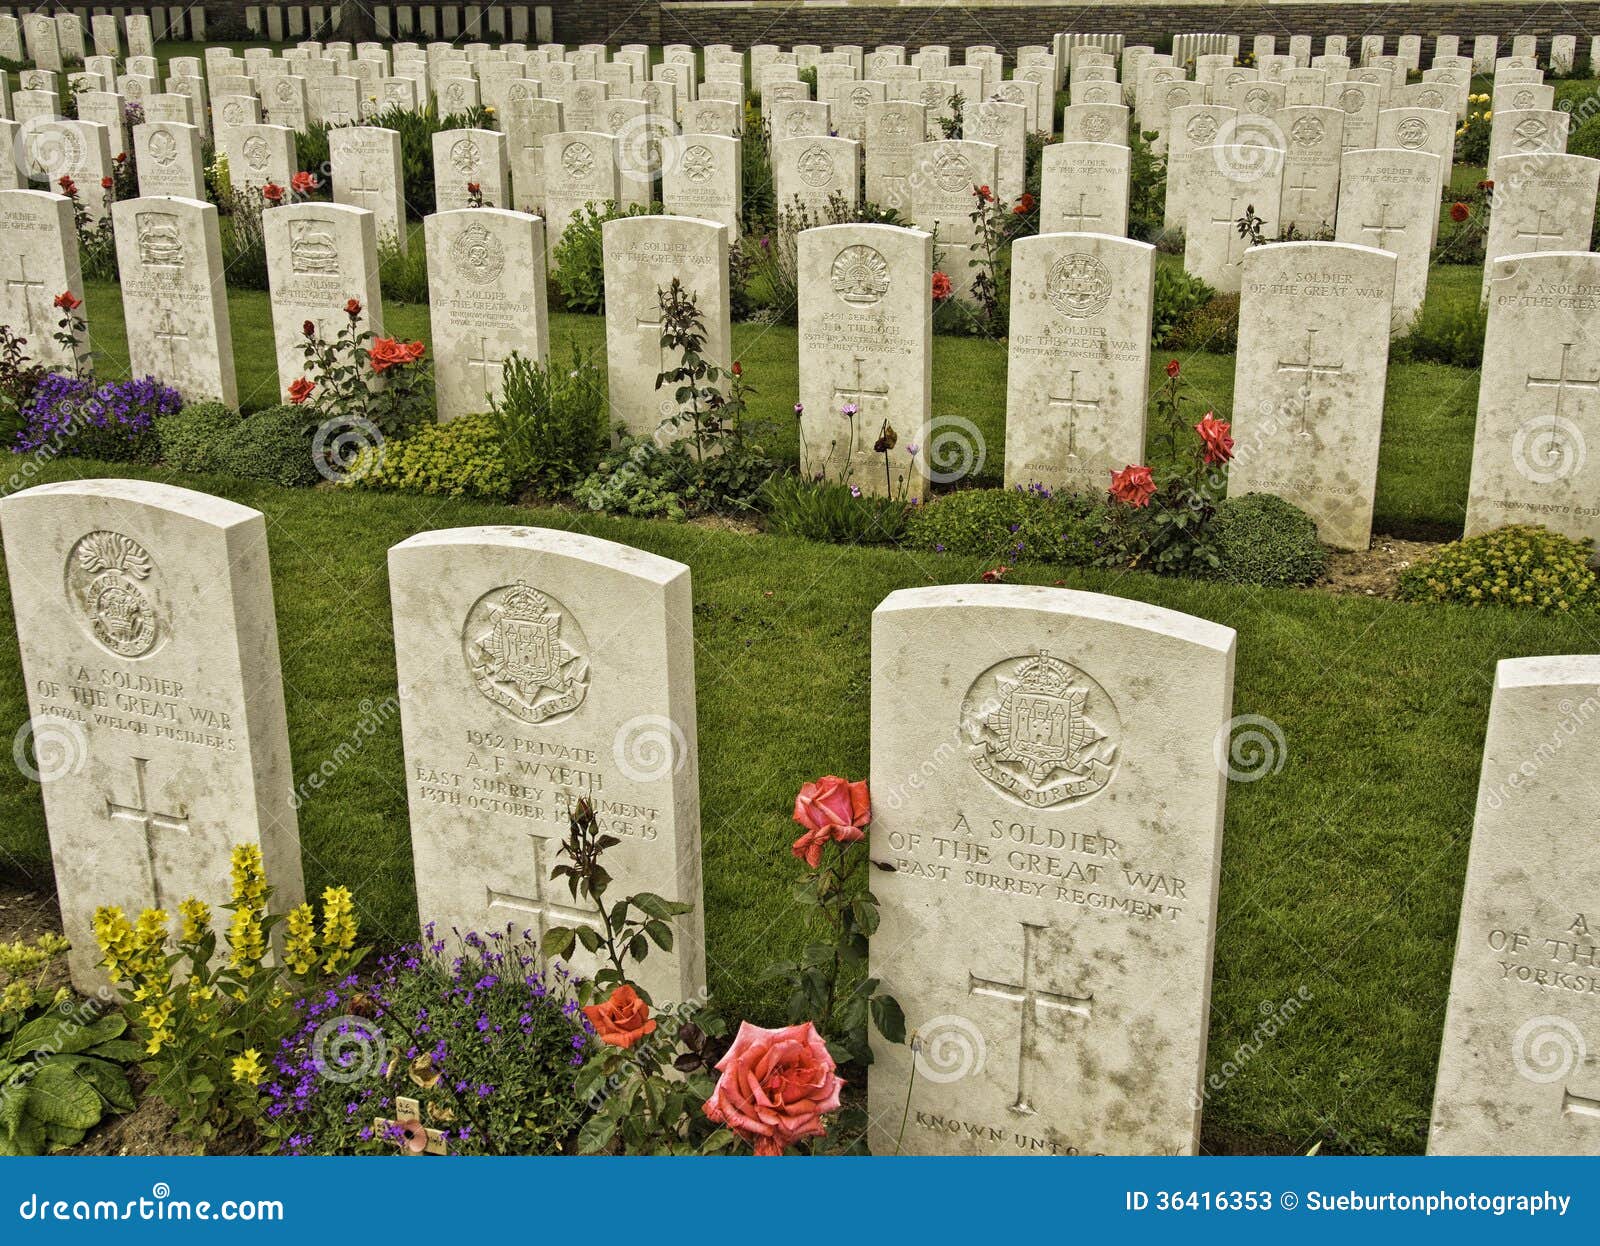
x: 1073, y: 404
x: 1578, y: 1105
x: 540, y: 906
x: 148, y: 821
x: 859, y: 393
x: 1303, y: 187
x: 167, y: 332
x: 1076, y: 218
x: 484, y: 360
x: 1538, y: 234
x: 1308, y: 369
x: 360, y: 180
x: 1383, y: 228
x: 1561, y: 383
x: 1032, y: 999
x: 27, y: 285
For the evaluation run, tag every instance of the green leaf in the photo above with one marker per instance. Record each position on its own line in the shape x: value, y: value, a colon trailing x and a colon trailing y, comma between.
x: 596, y: 1134
x: 888, y: 1018
x: 589, y: 938
x: 61, y: 1137
x: 109, y: 1080
x: 558, y: 942
x: 60, y: 1097
x: 652, y: 905
x: 638, y: 947
x: 13, y: 1108
x: 661, y: 933
x: 120, y: 1050
x: 865, y: 913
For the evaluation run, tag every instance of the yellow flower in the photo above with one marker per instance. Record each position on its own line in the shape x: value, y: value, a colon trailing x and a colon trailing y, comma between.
x: 247, y: 943
x: 17, y: 997
x: 338, y: 927
x: 300, y: 943
x: 247, y: 1070
x: 196, y: 920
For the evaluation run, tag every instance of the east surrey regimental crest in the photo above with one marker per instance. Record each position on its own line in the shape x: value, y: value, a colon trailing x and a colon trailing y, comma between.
x: 526, y: 653
x: 1041, y: 731
x: 108, y: 586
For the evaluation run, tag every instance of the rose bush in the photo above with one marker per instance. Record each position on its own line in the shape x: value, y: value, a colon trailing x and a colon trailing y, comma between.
x: 776, y: 1086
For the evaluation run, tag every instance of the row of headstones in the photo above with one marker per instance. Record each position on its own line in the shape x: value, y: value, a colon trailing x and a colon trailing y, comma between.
x: 517, y: 21
x: 1078, y: 350
x: 1048, y: 787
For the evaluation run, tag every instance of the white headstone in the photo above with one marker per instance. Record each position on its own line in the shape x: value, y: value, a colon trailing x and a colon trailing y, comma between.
x: 169, y: 161
x: 1388, y: 198
x: 580, y: 169
x: 703, y: 177
x: 808, y: 172
x: 1066, y: 850
x: 500, y: 747
x: 1084, y: 188
x: 365, y: 167
x: 39, y: 260
x: 463, y: 159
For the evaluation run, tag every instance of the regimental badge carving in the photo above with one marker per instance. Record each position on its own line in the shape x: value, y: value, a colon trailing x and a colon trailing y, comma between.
x: 894, y: 125
x: 256, y: 152
x: 107, y: 583
x: 794, y: 123
x: 1177, y: 97
x: 933, y: 95
x: 952, y: 171
x: 1352, y: 101
x: 1095, y: 94
x: 577, y: 159
x: 517, y: 93
x: 233, y: 112
x: 312, y: 248
x: 1079, y: 285
x: 1412, y: 132
x: 815, y: 166
x: 163, y: 147
x: 860, y: 97
x: 1096, y: 128
x: 1522, y: 99
x: 1307, y: 132
x: 1201, y: 129
x: 526, y: 653
x: 479, y: 256
x: 160, y: 239
x: 1256, y: 99
x: 1236, y: 77
x: 464, y: 155
x: 1431, y: 99
x: 285, y: 91
x: 1041, y: 731
x: 698, y: 163
x: 1530, y: 134
x: 615, y: 119
x: 860, y: 275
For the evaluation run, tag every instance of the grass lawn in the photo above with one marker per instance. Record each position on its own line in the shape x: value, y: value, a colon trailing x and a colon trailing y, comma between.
x: 1341, y: 873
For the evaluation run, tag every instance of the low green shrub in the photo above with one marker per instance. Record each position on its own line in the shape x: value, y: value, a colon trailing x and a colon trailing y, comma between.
x: 578, y: 260
x: 826, y: 511
x: 551, y: 421
x: 1177, y: 296
x: 1522, y: 566
x: 273, y: 444
x: 1008, y: 524
x: 1446, y: 332
x: 1262, y: 539
x: 463, y: 458
x: 646, y: 480
x: 1213, y: 326
x: 403, y: 275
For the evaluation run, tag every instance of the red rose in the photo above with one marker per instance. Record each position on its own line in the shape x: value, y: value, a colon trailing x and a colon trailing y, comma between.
x: 1133, y: 485
x: 1215, y: 435
x: 272, y: 192
x: 738, y: 368
x: 303, y: 183
x: 983, y: 193
x: 68, y: 186
x: 995, y: 574
x: 67, y: 301
x: 106, y: 183
x: 300, y: 390
x: 1486, y: 184
x: 474, y: 189
x: 1459, y: 212
x: 942, y: 287
x: 309, y: 328
x: 833, y: 809
x: 386, y: 353
x: 1173, y: 368
x: 776, y: 1086
x: 122, y: 157
x: 353, y: 308
x: 623, y: 1019
x: 1024, y: 205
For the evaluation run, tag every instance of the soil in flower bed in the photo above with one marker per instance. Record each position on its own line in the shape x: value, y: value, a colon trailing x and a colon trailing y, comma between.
x: 1375, y: 572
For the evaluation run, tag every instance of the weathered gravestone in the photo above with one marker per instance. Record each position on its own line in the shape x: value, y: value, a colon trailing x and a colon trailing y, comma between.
x: 944, y: 176
x: 365, y: 165
x: 808, y: 172
x: 1309, y: 377
x: 319, y: 257
x: 1541, y: 203
x: 39, y: 260
x: 544, y: 668
x: 1518, y: 1069
x: 487, y: 300
x: 464, y: 159
x: 703, y: 177
x: 1536, y: 450
x: 1084, y: 189
x: 174, y: 303
x: 579, y: 169
x: 1061, y: 847
x: 259, y: 154
x: 150, y: 655
x: 643, y: 256
x: 865, y: 333
x: 1078, y: 359
x: 1388, y: 199
x: 1227, y: 182
x: 168, y: 159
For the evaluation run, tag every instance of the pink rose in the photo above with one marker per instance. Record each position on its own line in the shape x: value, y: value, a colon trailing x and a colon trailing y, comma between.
x: 830, y: 808
x: 776, y: 1086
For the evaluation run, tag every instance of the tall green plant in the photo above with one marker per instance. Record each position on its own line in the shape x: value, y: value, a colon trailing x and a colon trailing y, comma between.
x: 551, y: 420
